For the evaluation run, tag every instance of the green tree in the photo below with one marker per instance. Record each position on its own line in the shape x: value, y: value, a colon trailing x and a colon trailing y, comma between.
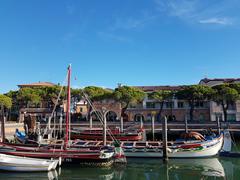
x: 5, y: 101
x: 14, y: 110
x: 76, y: 94
x: 225, y: 95
x: 29, y: 95
x: 235, y: 86
x: 97, y: 94
x: 161, y: 96
x: 193, y: 94
x: 128, y: 95
x: 50, y: 94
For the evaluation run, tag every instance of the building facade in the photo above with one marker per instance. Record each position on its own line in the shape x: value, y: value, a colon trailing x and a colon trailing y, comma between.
x: 233, y: 112
x: 173, y: 109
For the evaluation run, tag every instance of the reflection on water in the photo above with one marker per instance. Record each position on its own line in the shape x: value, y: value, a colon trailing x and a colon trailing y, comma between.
x: 28, y: 175
x: 141, y: 169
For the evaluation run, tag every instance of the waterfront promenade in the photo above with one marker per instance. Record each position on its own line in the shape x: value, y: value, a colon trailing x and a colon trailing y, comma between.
x: 10, y: 129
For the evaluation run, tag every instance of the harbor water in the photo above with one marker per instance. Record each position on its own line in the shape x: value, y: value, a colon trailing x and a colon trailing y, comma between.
x: 143, y: 169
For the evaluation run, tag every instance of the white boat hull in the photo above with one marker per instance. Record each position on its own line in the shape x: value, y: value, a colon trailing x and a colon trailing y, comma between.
x: 208, y: 149
x: 16, y: 163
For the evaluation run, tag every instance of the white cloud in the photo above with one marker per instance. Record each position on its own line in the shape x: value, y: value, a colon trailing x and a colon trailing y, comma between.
x: 198, y: 11
x: 220, y: 21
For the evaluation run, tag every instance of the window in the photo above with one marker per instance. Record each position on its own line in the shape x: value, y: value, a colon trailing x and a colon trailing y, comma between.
x: 231, y: 117
x: 199, y: 104
x: 149, y: 117
x: 150, y: 105
x: 201, y: 117
x: 169, y: 104
x: 81, y: 109
x: 180, y: 104
x: 220, y: 116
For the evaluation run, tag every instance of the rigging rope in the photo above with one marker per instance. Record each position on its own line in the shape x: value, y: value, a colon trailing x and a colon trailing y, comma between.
x: 100, y: 116
x: 54, y: 108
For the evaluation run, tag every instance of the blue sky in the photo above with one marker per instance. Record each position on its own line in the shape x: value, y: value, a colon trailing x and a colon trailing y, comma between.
x: 133, y: 42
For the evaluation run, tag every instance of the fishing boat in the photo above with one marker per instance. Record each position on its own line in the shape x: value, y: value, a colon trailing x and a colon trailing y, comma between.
x: 18, y: 163
x: 96, y: 134
x: 194, y: 148
x: 103, y: 156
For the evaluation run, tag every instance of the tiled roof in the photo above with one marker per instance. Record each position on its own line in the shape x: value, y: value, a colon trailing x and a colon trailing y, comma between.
x: 37, y: 84
x: 226, y: 80
x: 157, y: 88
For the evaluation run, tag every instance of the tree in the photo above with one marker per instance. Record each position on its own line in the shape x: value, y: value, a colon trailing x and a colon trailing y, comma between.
x: 193, y: 94
x: 29, y: 95
x: 76, y: 94
x: 161, y: 96
x: 5, y: 101
x: 225, y: 95
x: 50, y: 94
x: 97, y: 94
x: 15, y: 105
x: 128, y: 95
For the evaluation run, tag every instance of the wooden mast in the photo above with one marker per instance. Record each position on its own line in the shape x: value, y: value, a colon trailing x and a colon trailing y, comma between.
x: 68, y: 107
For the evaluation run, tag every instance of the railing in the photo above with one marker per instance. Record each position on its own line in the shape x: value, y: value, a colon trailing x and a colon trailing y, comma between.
x: 172, y: 126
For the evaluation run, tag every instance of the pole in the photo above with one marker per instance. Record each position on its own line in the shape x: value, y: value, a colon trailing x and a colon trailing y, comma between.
x: 60, y: 122
x: 121, y: 124
x: 68, y: 108
x: 2, y: 125
x: 90, y: 122
x: 54, y: 125
x: 186, y: 124
x: 164, y: 135
x: 38, y: 131
x: 104, y: 129
x: 218, y: 125
x: 141, y: 122
x: 153, y: 128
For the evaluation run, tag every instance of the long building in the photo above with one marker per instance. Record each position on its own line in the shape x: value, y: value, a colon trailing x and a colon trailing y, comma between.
x: 174, y: 109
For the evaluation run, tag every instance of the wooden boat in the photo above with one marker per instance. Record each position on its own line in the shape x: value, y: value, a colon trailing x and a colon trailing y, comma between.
x: 153, y: 149
x: 97, y: 133
x: 98, y: 157
x: 194, y: 149
x: 16, y: 163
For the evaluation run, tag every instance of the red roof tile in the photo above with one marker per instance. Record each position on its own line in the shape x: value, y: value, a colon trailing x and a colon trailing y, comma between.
x: 37, y: 84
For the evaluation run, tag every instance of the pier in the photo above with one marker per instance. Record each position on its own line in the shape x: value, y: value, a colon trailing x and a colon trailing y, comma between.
x: 172, y: 126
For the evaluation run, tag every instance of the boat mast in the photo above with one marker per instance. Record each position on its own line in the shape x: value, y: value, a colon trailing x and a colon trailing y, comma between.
x: 68, y: 108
